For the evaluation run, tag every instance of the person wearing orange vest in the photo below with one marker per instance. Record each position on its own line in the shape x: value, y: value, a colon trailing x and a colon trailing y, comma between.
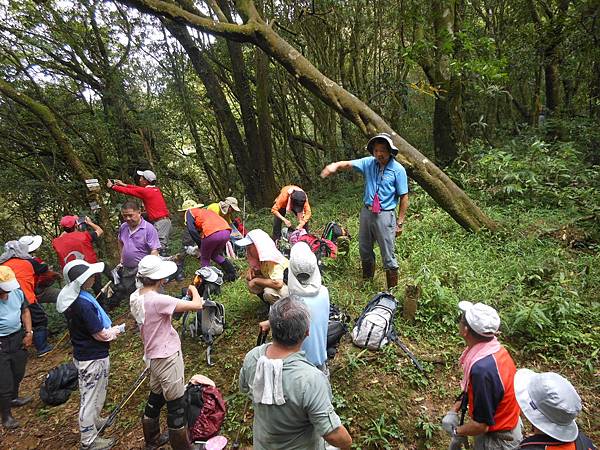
x: 291, y: 199
x: 551, y: 404
x: 16, y: 256
x: 211, y: 232
x: 44, y: 291
x: 487, y: 385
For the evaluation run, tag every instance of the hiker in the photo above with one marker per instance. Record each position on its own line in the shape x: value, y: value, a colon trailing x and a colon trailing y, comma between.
x: 137, y: 238
x: 43, y: 282
x: 487, y: 385
x: 15, y: 336
x: 551, y: 404
x: 154, y: 204
x: 153, y: 312
x: 265, y: 276
x: 304, y: 281
x: 386, y: 186
x: 291, y: 397
x: 225, y: 208
x: 291, y: 198
x: 91, y: 332
x: 26, y: 269
x: 211, y: 233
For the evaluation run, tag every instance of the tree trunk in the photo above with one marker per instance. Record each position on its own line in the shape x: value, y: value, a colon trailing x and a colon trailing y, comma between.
x: 444, y: 191
x: 46, y: 116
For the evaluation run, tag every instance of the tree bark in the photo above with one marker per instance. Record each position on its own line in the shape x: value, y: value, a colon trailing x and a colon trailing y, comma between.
x: 444, y: 191
x: 47, y: 118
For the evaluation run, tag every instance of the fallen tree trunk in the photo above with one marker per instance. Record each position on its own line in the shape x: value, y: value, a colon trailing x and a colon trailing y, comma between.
x: 258, y: 32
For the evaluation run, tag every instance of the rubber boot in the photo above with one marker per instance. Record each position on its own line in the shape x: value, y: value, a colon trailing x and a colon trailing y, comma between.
x: 8, y: 421
x: 152, y: 436
x: 229, y: 272
x: 368, y: 270
x: 40, y: 341
x: 180, y: 274
x: 179, y: 439
x: 391, y: 277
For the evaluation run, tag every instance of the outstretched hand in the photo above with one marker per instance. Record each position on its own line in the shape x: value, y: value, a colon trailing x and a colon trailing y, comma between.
x: 328, y: 170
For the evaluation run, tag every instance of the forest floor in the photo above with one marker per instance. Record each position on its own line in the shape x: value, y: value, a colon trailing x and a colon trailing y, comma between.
x: 541, y: 270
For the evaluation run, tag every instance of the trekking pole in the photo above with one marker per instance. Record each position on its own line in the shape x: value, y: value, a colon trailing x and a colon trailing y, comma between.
x: 140, y: 380
x: 410, y: 354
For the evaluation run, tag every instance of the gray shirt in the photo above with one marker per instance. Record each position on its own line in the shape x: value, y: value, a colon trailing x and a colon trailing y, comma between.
x: 307, y: 413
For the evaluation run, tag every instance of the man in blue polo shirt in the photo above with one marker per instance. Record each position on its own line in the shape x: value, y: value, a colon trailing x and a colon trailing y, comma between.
x: 386, y: 187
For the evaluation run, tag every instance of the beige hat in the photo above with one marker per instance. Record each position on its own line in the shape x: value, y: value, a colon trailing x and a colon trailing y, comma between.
x: 8, y: 280
x: 229, y: 202
x: 189, y: 204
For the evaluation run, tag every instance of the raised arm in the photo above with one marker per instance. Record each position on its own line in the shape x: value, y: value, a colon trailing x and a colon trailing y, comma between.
x: 334, y: 167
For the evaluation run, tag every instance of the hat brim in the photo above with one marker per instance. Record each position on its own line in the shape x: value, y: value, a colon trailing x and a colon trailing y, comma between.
x: 166, y: 269
x: 140, y: 172
x: 37, y: 241
x: 392, y: 147
x: 235, y: 207
x: 196, y: 205
x: 244, y: 242
x: 10, y: 285
x: 464, y: 305
x: 564, y: 433
x: 93, y: 270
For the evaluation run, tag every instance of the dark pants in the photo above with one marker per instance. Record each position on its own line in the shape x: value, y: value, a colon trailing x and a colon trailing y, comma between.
x: 13, y: 358
x: 39, y: 319
x: 277, y: 225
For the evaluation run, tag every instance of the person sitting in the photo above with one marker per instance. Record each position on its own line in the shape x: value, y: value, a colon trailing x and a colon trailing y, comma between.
x: 153, y: 312
x: 265, y: 276
x: 551, y: 404
x: 15, y: 337
x: 91, y: 331
x: 304, y: 281
x: 44, y: 291
x: 291, y: 198
x: 291, y: 397
x: 211, y: 233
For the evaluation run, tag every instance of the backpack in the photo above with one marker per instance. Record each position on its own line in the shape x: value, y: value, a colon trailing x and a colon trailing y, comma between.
x: 336, y: 329
x: 319, y: 246
x: 375, y: 326
x: 205, y: 411
x: 59, y: 383
x: 333, y: 231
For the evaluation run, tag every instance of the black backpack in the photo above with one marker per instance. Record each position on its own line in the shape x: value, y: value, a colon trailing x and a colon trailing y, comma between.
x: 59, y: 383
x: 193, y: 402
x: 336, y: 329
x: 333, y: 231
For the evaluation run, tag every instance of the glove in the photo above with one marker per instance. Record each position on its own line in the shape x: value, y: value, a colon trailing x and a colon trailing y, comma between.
x: 450, y: 421
x: 121, y: 328
x: 458, y: 442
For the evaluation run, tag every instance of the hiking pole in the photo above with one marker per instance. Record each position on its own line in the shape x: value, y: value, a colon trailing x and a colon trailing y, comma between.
x: 410, y: 354
x: 140, y: 380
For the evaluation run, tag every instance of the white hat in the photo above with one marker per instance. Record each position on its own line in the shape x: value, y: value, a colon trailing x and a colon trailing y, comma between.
x: 483, y: 319
x: 229, y: 201
x: 32, y: 242
x: 155, y: 268
x: 382, y: 136
x: 245, y: 241
x: 147, y: 174
x: 210, y: 274
x: 8, y: 280
x: 75, y: 273
x: 550, y: 403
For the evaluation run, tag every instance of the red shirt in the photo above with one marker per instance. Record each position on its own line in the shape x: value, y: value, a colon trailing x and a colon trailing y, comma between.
x: 154, y: 202
x: 74, y: 245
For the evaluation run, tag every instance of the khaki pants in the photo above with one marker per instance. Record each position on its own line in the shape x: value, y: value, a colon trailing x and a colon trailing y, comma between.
x: 500, y: 440
x: 166, y: 376
x: 272, y: 295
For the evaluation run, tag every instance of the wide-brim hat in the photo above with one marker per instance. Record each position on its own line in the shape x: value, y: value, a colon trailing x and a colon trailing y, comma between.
x: 156, y: 268
x: 382, y: 137
x: 229, y: 202
x: 247, y: 240
x: 550, y: 403
x: 210, y: 274
x: 32, y: 242
x: 190, y: 204
x: 79, y: 269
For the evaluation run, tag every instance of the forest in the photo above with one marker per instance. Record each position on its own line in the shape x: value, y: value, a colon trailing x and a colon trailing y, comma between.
x: 494, y: 106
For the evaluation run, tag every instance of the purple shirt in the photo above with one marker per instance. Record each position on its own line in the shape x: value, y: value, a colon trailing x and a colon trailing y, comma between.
x: 138, y: 243
x: 160, y: 338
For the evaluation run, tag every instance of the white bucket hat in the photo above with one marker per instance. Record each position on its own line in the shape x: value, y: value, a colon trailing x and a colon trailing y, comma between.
x: 483, y: 319
x: 147, y: 174
x: 387, y: 138
x: 155, y: 268
x: 32, y: 242
x: 75, y: 273
x: 550, y: 403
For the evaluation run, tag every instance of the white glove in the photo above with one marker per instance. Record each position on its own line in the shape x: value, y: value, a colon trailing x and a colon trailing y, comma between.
x: 121, y: 328
x: 450, y: 421
x: 458, y: 442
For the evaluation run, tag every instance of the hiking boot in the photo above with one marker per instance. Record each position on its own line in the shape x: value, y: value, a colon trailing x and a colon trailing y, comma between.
x: 179, y: 438
x: 391, y: 277
x: 40, y: 341
x: 99, y: 444
x: 230, y: 274
x: 20, y: 401
x: 152, y: 436
x: 9, y: 422
x: 45, y: 350
x: 368, y: 270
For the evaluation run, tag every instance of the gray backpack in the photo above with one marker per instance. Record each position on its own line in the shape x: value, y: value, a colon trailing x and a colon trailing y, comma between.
x: 375, y: 326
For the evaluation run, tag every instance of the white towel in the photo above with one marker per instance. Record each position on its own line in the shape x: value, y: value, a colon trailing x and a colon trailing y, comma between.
x: 136, y: 303
x: 268, y: 387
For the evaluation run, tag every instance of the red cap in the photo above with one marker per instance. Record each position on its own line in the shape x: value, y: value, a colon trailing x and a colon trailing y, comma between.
x: 68, y: 221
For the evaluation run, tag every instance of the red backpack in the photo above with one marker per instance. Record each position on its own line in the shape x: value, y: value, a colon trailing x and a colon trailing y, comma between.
x: 319, y: 246
x: 206, y: 410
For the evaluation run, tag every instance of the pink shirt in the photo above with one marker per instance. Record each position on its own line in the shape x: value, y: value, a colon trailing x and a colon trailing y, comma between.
x: 160, y: 338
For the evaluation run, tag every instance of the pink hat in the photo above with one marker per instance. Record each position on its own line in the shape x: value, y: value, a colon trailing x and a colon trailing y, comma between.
x: 68, y: 221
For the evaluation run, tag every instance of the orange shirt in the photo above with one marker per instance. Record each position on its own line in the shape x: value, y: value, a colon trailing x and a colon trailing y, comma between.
x: 25, y: 274
x: 208, y: 222
x: 282, y: 200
